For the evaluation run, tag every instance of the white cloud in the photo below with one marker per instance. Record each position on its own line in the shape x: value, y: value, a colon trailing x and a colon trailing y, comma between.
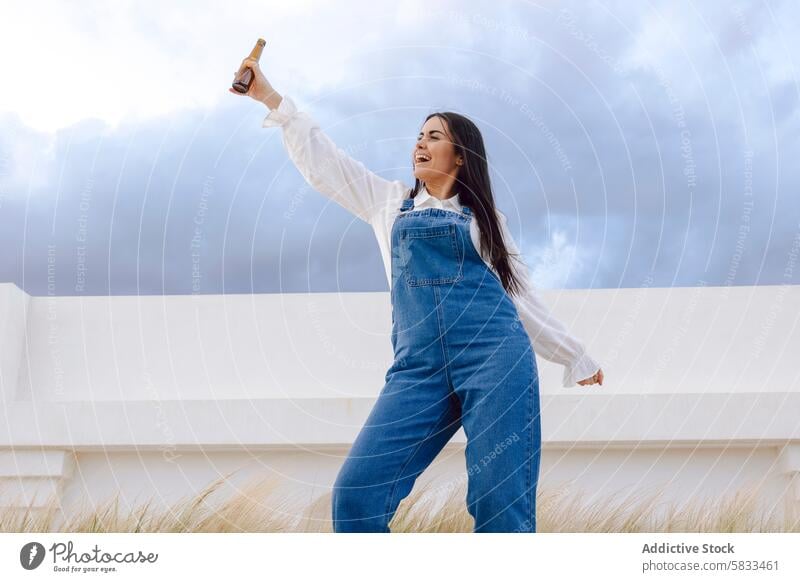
x: 553, y: 264
x: 65, y: 62
x: 144, y: 59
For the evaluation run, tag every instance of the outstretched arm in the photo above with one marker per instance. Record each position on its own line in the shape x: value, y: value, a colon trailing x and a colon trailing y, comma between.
x: 324, y: 166
x: 549, y: 337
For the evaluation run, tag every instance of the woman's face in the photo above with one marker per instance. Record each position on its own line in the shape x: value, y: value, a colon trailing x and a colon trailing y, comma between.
x: 434, y: 155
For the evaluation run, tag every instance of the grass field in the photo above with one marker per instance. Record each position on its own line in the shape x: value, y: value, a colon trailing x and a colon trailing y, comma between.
x: 262, y: 507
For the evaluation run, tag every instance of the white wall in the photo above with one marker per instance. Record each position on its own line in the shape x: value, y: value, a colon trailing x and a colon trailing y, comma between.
x: 153, y: 396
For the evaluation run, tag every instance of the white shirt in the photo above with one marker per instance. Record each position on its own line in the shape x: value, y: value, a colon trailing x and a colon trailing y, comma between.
x: 377, y: 201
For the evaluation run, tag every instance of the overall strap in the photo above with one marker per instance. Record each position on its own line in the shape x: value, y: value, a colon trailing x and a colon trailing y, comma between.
x: 408, y: 204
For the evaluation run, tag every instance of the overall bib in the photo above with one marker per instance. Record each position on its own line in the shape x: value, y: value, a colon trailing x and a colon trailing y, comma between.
x: 461, y: 357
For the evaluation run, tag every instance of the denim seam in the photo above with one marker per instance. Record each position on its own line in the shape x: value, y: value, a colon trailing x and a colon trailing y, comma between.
x: 426, y: 231
x: 474, y: 252
x: 534, y: 394
x: 408, y: 460
x: 433, y: 212
x: 443, y: 339
x: 528, y: 460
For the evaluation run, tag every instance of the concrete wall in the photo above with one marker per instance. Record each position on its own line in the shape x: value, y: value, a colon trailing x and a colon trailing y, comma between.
x: 154, y: 397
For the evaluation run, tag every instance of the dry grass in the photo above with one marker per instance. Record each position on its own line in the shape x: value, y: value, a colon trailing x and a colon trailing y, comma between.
x: 263, y: 507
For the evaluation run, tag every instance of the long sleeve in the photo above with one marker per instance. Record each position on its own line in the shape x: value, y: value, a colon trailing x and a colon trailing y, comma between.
x: 327, y: 168
x: 549, y: 337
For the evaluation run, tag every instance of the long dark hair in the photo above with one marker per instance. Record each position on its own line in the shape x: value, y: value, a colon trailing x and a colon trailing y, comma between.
x: 475, y: 190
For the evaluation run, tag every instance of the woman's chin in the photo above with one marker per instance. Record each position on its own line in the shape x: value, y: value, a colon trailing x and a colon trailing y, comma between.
x: 422, y: 175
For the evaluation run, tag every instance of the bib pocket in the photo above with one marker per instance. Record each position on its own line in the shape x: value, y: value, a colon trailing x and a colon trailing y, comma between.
x: 430, y: 255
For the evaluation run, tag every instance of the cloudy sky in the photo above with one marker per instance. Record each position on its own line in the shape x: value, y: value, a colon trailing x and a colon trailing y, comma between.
x: 630, y: 143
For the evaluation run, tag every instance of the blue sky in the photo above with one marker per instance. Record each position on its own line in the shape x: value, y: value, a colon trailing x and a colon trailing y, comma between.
x: 629, y: 144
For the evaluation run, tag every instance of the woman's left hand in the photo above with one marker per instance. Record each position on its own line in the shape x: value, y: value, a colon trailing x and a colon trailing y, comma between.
x: 596, y: 379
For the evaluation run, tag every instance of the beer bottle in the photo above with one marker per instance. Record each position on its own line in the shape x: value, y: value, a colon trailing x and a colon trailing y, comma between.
x: 245, y: 77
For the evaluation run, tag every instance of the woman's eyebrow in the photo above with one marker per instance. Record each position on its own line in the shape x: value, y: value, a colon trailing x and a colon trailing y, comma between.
x: 432, y: 131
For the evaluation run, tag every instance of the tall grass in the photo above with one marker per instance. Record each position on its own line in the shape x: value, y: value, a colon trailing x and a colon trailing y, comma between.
x: 262, y: 506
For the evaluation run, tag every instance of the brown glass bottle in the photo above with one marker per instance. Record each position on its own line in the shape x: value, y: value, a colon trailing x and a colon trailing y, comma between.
x: 245, y: 77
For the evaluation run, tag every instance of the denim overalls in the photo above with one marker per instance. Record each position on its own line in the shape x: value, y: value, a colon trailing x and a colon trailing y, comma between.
x: 462, y: 357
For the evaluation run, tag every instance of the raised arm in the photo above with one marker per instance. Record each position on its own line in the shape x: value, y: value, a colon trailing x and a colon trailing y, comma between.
x: 326, y: 167
x: 549, y: 337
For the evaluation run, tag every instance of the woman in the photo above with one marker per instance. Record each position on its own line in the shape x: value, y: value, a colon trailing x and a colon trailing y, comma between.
x: 464, y: 325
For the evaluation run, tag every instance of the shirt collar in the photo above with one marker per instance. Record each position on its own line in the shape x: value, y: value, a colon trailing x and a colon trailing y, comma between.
x: 424, y: 198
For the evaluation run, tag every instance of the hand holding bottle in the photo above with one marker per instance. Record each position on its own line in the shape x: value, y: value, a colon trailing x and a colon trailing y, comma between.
x: 258, y: 87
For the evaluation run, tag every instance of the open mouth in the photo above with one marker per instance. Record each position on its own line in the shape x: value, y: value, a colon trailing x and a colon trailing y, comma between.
x: 421, y: 158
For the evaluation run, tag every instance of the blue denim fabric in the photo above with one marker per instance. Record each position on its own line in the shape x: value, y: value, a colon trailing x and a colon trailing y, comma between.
x: 462, y: 357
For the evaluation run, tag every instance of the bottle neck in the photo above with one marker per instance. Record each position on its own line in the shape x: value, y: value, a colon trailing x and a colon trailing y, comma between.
x: 256, y: 52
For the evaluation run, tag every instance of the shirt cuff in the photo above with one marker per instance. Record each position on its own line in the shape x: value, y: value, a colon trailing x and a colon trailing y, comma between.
x: 281, y: 114
x: 585, y: 367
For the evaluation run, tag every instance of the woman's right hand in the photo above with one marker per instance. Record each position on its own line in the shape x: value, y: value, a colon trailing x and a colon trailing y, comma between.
x: 596, y: 379
x: 260, y: 89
